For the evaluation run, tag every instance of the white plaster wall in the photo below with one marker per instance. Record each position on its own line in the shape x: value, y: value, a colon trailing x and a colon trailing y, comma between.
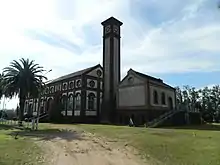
x: 63, y: 113
x: 76, y: 113
x: 136, y: 80
x: 69, y: 93
x: 94, y: 72
x: 101, y: 85
x: 168, y: 93
x: 132, y: 96
x: 96, y: 83
x: 69, y: 113
x: 91, y: 113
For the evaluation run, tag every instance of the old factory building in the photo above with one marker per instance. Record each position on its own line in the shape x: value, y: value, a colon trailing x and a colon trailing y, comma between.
x: 97, y: 94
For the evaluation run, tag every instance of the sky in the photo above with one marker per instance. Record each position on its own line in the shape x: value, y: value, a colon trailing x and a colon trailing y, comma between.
x: 176, y: 40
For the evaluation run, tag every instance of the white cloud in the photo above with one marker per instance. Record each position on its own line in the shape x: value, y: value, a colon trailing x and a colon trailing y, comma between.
x: 157, y: 36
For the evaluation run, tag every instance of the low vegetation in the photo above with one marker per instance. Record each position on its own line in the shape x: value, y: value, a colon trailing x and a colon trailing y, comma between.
x: 158, y: 146
x: 189, y: 146
x: 17, y: 150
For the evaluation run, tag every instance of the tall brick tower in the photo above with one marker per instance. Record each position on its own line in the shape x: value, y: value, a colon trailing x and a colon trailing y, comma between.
x: 111, y: 67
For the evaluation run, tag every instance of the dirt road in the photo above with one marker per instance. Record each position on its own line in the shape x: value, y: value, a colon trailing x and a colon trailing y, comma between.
x: 86, y: 149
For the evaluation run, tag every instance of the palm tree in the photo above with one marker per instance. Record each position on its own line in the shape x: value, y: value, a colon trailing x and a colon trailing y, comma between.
x: 23, y: 79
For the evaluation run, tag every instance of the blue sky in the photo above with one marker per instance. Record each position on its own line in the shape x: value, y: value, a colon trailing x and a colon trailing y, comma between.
x: 176, y: 40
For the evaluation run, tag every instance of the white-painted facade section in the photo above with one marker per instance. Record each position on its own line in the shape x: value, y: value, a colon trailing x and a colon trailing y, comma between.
x: 101, y: 85
x: 91, y: 113
x: 94, y: 72
x: 96, y: 83
x: 133, y: 92
x: 132, y: 96
x: 69, y: 113
x: 70, y: 93
x: 135, y: 81
x: 107, y: 68
x: 168, y: 93
x: 76, y: 113
x: 63, y: 113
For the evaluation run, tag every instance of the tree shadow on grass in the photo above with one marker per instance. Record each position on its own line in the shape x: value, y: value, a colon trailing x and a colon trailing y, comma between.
x: 48, y: 134
x: 207, y: 127
x: 5, y: 127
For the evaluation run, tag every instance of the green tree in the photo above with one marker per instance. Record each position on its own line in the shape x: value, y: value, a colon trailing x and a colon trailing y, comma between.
x: 206, y: 101
x: 23, y: 78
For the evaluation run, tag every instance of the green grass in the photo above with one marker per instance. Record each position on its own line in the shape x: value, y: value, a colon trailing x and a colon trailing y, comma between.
x: 167, y: 146
x: 21, y: 151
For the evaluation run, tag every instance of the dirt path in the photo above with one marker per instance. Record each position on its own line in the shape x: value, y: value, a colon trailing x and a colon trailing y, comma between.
x: 86, y: 149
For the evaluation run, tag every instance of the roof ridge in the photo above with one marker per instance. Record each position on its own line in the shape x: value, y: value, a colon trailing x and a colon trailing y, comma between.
x: 76, y: 73
x: 147, y: 76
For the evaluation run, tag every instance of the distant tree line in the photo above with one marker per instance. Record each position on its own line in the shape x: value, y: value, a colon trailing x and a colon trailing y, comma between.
x: 206, y: 101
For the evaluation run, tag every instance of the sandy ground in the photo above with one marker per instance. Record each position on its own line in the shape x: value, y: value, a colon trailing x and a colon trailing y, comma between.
x: 86, y: 149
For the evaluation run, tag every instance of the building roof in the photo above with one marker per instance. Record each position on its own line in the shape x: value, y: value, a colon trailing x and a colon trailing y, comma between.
x: 144, y: 76
x: 111, y: 20
x: 147, y: 76
x: 74, y: 74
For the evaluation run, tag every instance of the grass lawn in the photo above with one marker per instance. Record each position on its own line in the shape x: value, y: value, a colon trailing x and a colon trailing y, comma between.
x: 21, y: 151
x: 189, y: 146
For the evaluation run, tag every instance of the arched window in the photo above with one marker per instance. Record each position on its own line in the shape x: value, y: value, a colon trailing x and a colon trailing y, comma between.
x: 35, y: 105
x: 49, y: 104
x: 78, y: 101
x: 26, y: 107
x: 70, y: 102
x: 47, y: 90
x: 163, y: 98
x: 91, y: 101
x: 155, y: 95
x: 52, y: 89
x: 64, y: 102
x: 30, y: 109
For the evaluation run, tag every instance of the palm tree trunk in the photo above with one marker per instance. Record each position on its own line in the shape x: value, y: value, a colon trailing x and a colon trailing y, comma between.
x: 21, y: 112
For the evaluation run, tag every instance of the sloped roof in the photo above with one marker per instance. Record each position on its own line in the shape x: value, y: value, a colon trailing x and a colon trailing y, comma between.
x: 147, y: 76
x: 74, y: 74
x: 144, y: 76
